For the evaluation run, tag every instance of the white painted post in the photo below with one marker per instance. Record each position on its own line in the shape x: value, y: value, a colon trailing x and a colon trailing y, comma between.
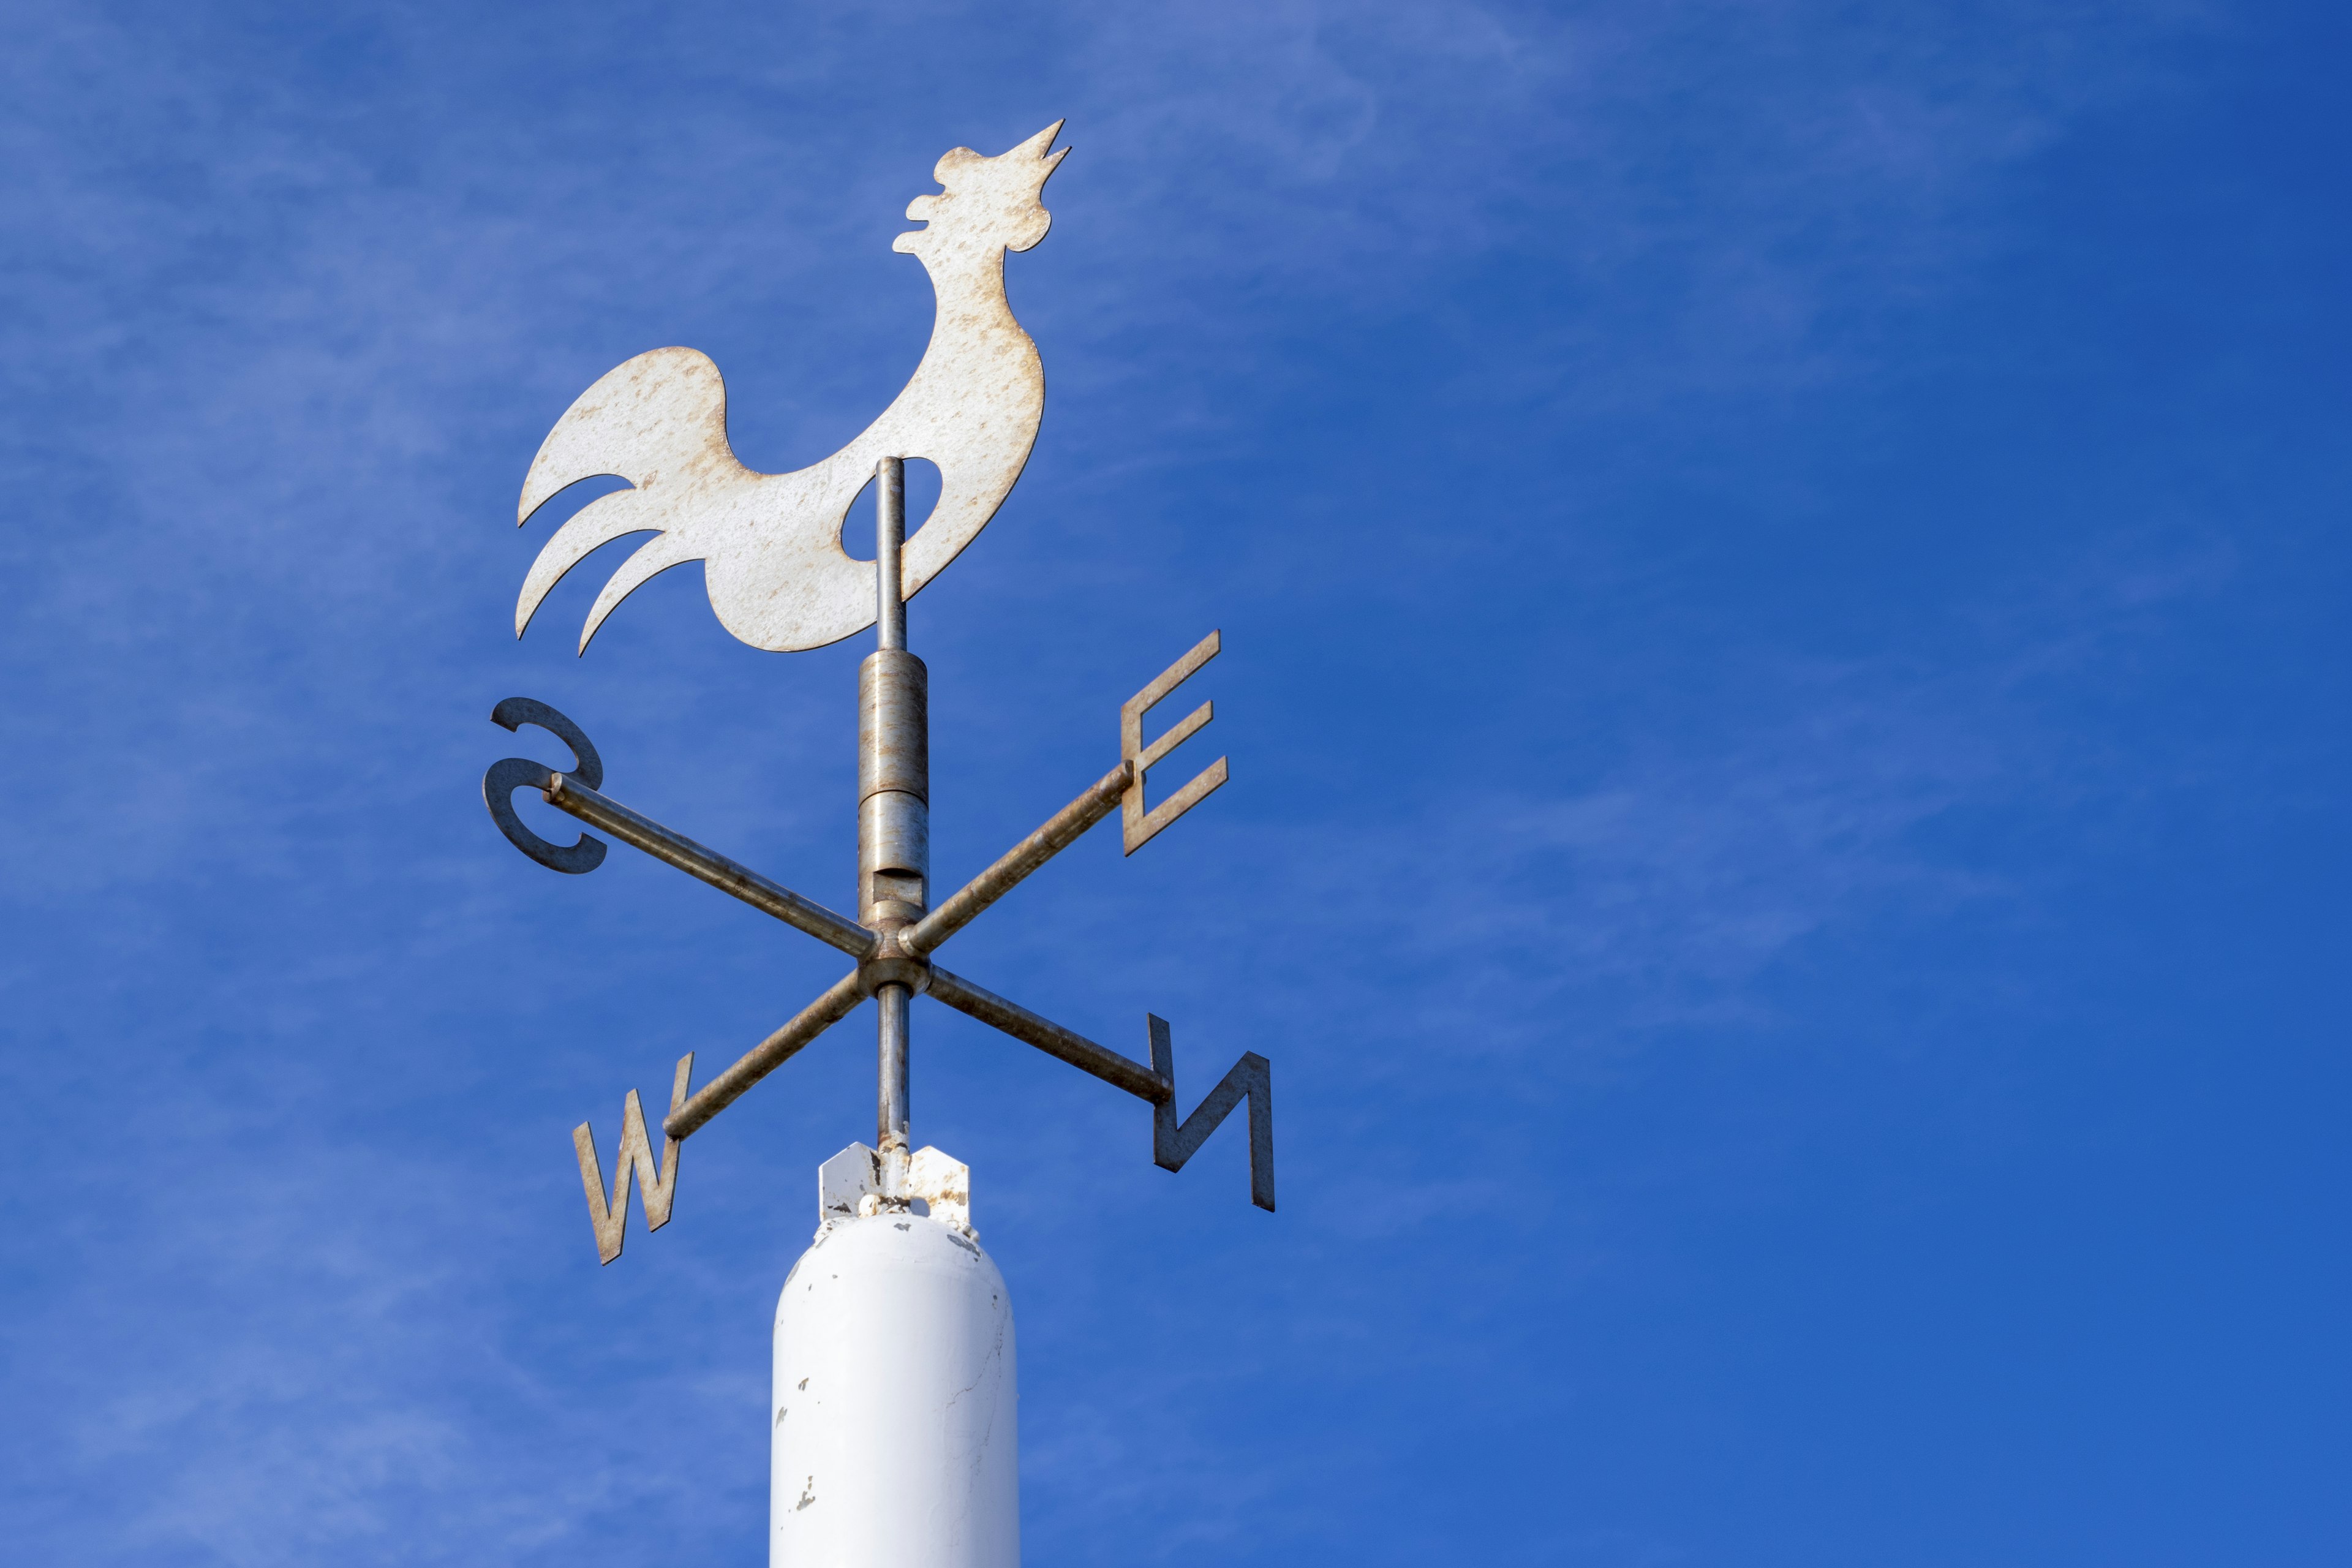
x: 894, y: 1412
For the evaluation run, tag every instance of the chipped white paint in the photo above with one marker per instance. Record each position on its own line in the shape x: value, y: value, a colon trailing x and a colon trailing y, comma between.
x: 944, y: 1185
x: 894, y: 1414
x: 770, y: 543
x: 860, y: 1182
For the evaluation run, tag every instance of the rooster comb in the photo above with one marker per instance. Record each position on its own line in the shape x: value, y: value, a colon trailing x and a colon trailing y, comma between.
x: 987, y: 201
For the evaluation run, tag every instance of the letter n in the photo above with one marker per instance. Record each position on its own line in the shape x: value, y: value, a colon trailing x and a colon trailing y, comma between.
x: 656, y: 1187
x: 1173, y: 1142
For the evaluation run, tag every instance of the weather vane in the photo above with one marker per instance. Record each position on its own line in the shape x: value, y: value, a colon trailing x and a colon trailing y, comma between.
x: 879, y: 1451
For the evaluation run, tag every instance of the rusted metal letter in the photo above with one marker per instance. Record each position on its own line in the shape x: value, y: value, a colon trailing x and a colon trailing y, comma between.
x: 656, y: 1187
x: 1137, y: 824
x: 1173, y: 1142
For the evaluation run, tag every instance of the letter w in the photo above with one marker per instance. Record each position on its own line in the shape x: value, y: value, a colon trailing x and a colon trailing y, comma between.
x: 1251, y: 1078
x: 657, y: 1187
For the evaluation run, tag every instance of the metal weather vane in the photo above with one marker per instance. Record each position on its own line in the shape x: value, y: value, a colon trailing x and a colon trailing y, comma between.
x: 779, y: 579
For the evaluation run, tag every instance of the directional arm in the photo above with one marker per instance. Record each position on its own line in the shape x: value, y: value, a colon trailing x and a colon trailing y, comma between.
x: 576, y: 792
x: 1123, y: 1072
x: 1174, y: 1140
x: 766, y: 1056
x: 1063, y: 829
x: 771, y: 897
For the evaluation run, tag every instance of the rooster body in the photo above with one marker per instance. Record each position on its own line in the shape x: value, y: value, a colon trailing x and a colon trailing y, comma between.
x: 770, y: 543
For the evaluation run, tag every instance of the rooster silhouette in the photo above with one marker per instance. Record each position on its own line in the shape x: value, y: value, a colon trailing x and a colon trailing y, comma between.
x: 777, y: 575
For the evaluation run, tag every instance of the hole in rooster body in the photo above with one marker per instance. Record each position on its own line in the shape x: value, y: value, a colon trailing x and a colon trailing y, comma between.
x: 922, y: 499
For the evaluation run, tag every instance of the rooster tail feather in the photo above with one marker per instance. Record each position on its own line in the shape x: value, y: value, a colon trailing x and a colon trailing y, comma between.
x: 590, y: 529
x: 657, y: 555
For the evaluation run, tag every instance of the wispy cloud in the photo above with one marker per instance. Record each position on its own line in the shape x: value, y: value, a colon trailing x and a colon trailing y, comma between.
x: 293, y: 298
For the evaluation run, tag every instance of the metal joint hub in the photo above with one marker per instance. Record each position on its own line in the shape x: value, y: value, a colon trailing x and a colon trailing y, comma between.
x: 892, y: 966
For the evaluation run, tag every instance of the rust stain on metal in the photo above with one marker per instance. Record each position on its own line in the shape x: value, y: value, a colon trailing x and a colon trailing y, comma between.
x: 656, y: 1186
x: 1139, y: 826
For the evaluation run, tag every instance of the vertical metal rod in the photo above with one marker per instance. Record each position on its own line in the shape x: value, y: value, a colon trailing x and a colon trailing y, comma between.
x: 891, y: 1119
x: 889, y: 538
x: 891, y: 1002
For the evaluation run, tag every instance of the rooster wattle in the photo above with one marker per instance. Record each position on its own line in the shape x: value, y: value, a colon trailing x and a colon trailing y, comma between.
x: 777, y: 575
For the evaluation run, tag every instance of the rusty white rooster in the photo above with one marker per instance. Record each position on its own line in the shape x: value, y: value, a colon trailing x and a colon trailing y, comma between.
x: 770, y: 543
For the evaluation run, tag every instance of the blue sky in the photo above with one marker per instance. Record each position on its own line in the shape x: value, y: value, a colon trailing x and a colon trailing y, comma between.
x: 1782, y: 577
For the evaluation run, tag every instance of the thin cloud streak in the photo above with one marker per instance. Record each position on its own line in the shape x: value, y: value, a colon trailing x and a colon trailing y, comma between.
x: 294, y: 307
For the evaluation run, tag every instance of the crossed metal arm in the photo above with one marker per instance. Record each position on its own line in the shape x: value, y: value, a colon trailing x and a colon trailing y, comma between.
x: 900, y: 956
x: 903, y: 956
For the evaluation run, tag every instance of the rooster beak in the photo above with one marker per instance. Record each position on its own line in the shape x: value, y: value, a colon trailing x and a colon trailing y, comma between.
x: 1036, y: 146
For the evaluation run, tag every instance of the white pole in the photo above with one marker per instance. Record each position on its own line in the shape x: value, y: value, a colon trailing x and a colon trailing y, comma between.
x: 895, y: 1439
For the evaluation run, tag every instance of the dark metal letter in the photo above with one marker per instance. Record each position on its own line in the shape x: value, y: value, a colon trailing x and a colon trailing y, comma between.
x: 508, y: 774
x: 1173, y: 1142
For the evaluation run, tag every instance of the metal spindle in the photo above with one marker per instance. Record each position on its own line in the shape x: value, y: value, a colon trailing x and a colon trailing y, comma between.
x: 890, y: 1119
x: 890, y: 540
x: 888, y: 815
